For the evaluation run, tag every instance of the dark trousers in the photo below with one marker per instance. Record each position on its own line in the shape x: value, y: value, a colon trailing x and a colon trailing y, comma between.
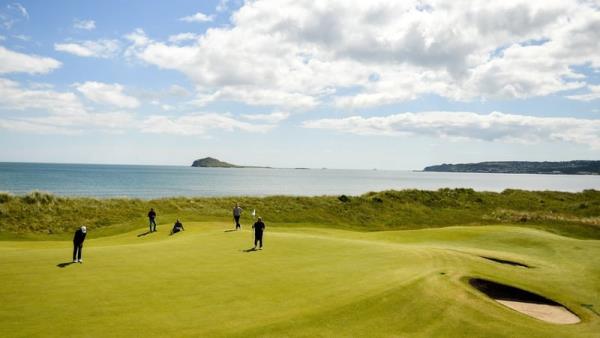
x: 152, y: 223
x: 77, y: 248
x: 237, y: 222
x: 258, y: 237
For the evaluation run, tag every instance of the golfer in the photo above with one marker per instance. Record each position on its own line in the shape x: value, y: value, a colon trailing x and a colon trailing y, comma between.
x: 151, y: 220
x: 177, y: 227
x: 78, y: 244
x: 237, y: 212
x: 258, y: 227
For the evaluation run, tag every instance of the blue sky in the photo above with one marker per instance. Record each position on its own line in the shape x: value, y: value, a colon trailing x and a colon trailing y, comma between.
x: 337, y: 84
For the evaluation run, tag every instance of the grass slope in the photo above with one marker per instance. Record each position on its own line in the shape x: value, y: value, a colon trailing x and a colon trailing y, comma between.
x: 310, y: 282
x: 36, y: 215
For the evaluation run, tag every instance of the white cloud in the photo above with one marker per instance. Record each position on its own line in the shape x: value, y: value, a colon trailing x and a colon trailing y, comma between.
x: 100, y: 48
x: 302, y: 53
x: 198, y: 17
x: 105, y: 93
x: 273, y: 118
x: 138, y: 38
x: 183, y: 37
x: 33, y: 127
x: 15, y: 97
x: 112, y: 122
x: 198, y: 124
x: 15, y: 62
x: 84, y: 24
x: 495, y: 126
x: 593, y: 94
x: 49, y: 111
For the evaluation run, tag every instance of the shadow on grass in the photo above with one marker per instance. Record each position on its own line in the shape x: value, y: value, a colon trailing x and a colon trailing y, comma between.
x: 64, y: 265
x: 230, y: 230
x: 504, y: 261
x: 250, y: 250
x: 499, y: 291
x: 144, y: 234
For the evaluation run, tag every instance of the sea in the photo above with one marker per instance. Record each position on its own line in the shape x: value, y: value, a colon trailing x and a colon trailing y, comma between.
x: 153, y: 181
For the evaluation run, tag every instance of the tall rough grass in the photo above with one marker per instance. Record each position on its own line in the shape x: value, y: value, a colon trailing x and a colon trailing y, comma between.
x: 573, y: 214
x: 5, y: 196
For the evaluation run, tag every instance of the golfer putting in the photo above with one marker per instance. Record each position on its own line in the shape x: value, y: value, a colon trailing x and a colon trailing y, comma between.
x: 78, y: 243
x: 259, y: 228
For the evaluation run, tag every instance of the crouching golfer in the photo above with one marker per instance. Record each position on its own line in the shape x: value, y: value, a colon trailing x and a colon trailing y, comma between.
x: 258, y: 227
x: 78, y: 244
x: 177, y: 227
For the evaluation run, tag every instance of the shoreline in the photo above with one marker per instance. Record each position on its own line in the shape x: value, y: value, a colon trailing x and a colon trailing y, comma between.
x: 125, y: 197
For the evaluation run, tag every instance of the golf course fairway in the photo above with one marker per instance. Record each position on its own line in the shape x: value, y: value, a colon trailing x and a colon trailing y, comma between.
x: 308, y: 282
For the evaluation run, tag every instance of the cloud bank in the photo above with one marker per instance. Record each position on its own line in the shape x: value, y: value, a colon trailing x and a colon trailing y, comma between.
x: 300, y: 54
x: 495, y: 126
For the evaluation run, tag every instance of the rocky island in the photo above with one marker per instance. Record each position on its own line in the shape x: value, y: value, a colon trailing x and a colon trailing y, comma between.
x: 522, y: 167
x: 209, y: 162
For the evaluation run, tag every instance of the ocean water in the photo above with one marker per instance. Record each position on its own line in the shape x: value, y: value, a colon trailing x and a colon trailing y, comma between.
x: 144, y: 181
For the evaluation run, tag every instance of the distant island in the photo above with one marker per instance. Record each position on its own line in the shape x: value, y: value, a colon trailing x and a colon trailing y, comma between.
x: 522, y: 167
x: 209, y: 162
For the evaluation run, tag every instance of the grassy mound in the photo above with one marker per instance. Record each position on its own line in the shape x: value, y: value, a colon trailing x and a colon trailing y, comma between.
x: 316, y: 282
x: 571, y: 214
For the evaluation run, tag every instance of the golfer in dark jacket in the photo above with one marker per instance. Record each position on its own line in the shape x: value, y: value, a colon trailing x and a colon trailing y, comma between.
x: 177, y: 227
x: 258, y: 227
x: 78, y: 244
x: 151, y: 221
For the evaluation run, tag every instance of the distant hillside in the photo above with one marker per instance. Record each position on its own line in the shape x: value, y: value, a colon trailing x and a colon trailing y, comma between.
x: 209, y: 162
x: 522, y: 167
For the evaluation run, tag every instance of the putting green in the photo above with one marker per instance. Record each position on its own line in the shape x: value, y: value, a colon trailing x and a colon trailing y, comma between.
x: 306, y: 282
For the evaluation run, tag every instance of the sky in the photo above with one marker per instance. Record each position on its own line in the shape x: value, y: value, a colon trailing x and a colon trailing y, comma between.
x: 351, y: 84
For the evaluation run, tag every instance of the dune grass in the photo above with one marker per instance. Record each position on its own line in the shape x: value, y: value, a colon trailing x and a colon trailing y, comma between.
x: 38, y: 215
x: 308, y: 282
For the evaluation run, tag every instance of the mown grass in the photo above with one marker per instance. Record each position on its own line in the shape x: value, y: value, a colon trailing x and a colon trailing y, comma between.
x: 307, y: 282
x: 38, y: 215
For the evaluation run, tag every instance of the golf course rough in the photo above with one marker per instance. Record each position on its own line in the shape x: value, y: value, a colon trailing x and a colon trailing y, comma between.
x: 309, y: 282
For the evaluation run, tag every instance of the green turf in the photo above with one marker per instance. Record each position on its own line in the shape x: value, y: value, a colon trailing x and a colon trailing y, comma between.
x: 308, y: 282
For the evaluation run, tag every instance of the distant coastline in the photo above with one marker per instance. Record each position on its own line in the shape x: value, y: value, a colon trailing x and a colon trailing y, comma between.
x: 522, y: 167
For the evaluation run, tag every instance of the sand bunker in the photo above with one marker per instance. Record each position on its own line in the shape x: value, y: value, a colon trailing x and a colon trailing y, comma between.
x: 525, y: 302
x: 504, y: 261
